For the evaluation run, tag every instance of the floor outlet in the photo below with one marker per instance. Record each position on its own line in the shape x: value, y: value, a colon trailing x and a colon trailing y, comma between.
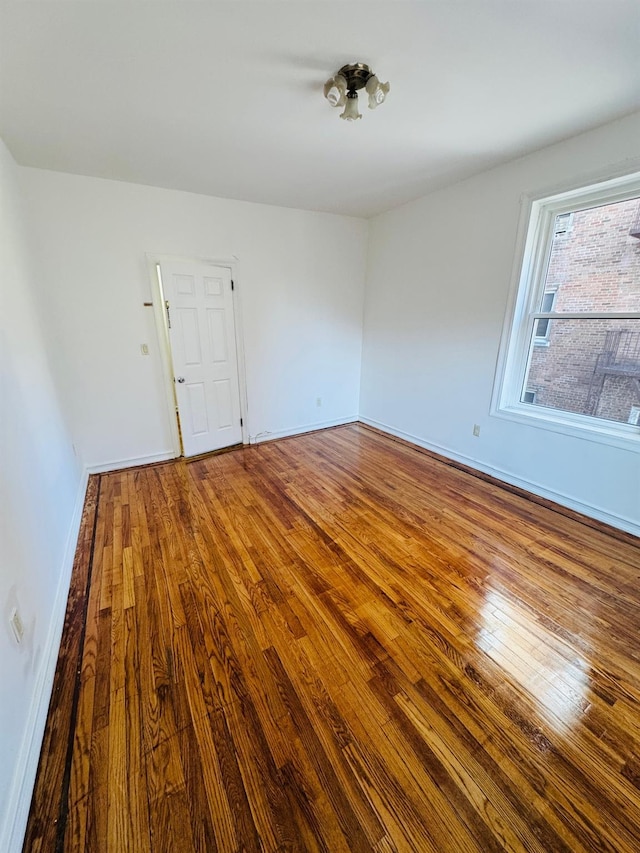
x: 476, y: 430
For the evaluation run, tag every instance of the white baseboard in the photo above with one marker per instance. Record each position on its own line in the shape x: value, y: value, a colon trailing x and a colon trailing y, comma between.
x: 19, y: 799
x: 300, y: 430
x: 132, y: 462
x: 619, y: 521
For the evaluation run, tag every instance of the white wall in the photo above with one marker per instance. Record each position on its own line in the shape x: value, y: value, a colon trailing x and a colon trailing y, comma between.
x: 301, y: 284
x: 440, y: 271
x: 40, y: 493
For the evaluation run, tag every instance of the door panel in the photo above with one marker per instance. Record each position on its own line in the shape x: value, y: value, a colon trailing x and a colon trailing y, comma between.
x: 203, y: 347
x: 217, y: 335
x: 224, y: 407
x: 197, y: 408
x: 189, y: 336
x: 213, y: 286
x: 185, y: 285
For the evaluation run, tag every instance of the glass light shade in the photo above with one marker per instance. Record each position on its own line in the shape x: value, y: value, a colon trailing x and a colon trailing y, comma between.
x: 377, y: 91
x: 335, y: 90
x: 351, y: 108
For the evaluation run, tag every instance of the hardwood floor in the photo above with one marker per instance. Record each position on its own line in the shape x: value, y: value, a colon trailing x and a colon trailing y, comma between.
x: 339, y: 643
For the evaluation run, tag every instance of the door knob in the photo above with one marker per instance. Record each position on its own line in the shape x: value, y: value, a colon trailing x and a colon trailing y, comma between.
x: 180, y: 379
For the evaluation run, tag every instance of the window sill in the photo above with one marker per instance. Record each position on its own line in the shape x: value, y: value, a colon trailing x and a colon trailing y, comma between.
x: 624, y: 436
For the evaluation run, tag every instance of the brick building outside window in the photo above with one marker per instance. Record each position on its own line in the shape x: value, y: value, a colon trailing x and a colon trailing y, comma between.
x: 590, y: 366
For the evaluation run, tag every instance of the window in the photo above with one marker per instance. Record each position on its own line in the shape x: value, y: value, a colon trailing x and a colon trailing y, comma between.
x: 563, y: 224
x: 571, y: 357
x: 542, y: 326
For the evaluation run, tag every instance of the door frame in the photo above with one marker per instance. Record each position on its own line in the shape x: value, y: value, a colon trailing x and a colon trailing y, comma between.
x: 164, y: 342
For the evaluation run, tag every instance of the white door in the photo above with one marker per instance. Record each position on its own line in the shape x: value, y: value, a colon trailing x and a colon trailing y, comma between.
x: 203, y: 349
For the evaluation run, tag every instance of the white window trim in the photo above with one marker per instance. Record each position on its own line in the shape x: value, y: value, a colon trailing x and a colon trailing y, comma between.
x: 535, y: 235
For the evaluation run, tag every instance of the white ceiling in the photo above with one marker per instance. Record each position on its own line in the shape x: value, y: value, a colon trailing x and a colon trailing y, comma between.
x: 225, y: 98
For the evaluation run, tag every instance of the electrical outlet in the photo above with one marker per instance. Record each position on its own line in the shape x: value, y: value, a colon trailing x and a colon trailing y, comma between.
x: 144, y: 349
x: 318, y: 401
x: 476, y: 430
x: 15, y: 620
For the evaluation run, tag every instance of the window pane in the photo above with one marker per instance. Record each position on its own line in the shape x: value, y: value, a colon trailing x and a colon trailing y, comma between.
x: 542, y: 328
x: 590, y: 367
x: 594, y: 263
x: 547, y: 301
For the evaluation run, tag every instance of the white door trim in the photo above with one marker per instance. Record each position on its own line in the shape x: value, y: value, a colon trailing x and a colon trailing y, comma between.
x: 160, y: 317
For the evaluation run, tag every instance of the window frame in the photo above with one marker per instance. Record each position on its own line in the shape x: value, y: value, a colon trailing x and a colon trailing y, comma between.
x: 535, y: 241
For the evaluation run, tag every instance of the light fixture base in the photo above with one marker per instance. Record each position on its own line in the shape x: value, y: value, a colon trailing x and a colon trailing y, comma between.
x: 356, y: 75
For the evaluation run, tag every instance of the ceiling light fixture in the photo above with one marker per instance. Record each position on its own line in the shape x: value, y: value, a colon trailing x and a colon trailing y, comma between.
x: 341, y: 90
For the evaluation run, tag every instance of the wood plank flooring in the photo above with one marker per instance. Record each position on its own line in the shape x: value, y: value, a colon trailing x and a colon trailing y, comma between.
x: 339, y: 643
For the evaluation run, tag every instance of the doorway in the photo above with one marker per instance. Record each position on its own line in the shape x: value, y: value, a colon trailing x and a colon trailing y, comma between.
x: 200, y: 322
